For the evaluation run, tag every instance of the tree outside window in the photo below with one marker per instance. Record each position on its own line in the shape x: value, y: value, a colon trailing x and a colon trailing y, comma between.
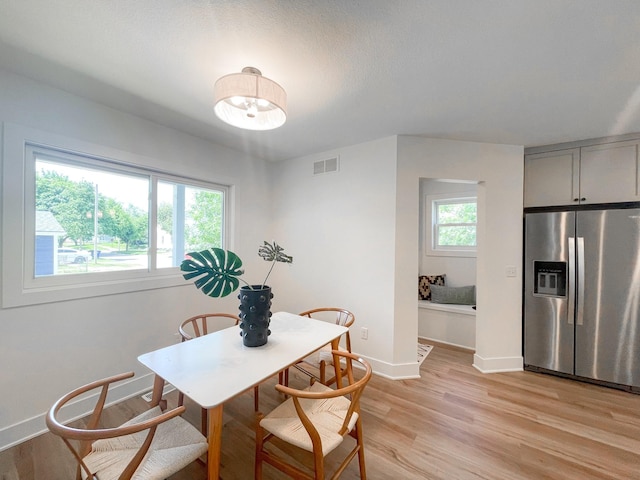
x: 455, y: 223
x: 105, y: 213
x: 451, y: 221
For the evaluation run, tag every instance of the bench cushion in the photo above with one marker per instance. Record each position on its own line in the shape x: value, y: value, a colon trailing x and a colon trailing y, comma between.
x: 458, y: 295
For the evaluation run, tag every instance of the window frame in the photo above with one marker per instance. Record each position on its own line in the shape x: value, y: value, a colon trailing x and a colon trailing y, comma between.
x: 19, y: 284
x: 430, y: 206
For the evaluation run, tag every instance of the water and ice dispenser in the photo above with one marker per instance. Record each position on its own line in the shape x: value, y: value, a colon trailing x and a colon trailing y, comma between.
x: 550, y: 279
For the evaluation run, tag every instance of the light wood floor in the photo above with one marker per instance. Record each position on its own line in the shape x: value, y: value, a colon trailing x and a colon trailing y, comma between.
x: 453, y: 423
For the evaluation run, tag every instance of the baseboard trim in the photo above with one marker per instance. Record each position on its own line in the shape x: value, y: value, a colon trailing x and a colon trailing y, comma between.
x: 32, y: 427
x: 394, y: 371
x: 498, y: 364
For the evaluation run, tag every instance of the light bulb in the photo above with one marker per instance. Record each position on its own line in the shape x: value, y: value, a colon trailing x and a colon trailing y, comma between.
x: 252, y: 109
x: 237, y: 101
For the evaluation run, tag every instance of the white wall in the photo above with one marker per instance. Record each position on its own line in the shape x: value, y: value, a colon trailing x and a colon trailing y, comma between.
x: 46, y: 350
x: 359, y: 231
x: 499, y: 169
x: 339, y: 227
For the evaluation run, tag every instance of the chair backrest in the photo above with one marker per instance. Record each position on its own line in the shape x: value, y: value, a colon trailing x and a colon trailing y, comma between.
x: 341, y: 316
x: 351, y: 387
x: 79, y: 439
x: 203, y: 324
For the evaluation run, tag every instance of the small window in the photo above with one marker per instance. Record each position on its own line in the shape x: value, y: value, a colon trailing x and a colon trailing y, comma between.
x: 452, y: 225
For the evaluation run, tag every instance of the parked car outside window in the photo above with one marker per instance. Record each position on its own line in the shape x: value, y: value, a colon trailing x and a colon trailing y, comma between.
x: 70, y: 255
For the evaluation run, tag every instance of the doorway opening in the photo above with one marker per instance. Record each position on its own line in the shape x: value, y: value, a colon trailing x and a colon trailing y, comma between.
x: 448, y: 220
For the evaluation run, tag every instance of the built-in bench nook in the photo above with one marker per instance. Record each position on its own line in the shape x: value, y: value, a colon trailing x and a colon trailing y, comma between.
x: 447, y: 267
x: 451, y: 324
x: 446, y: 314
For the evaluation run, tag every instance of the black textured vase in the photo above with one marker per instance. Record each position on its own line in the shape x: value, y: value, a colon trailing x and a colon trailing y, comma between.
x: 255, y: 314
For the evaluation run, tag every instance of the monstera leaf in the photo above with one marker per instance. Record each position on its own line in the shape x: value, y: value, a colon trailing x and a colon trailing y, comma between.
x: 273, y: 253
x: 216, y: 271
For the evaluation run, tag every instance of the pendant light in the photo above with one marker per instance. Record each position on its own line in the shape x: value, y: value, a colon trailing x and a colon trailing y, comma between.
x: 250, y: 101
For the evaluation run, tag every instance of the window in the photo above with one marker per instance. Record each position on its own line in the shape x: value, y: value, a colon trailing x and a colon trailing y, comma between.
x: 98, y: 215
x: 452, y: 223
x: 192, y: 216
x: 96, y: 224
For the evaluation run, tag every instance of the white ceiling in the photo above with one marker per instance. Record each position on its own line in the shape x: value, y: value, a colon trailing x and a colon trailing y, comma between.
x: 525, y: 72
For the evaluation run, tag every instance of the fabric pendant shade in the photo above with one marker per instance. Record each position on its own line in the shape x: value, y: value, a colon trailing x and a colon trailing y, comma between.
x: 250, y: 101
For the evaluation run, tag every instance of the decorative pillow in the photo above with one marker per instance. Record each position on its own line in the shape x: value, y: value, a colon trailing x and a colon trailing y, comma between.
x: 457, y: 295
x: 425, y: 282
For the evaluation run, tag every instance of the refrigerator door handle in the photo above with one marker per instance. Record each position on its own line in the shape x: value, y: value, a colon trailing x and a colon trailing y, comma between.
x: 580, y: 281
x: 571, y: 280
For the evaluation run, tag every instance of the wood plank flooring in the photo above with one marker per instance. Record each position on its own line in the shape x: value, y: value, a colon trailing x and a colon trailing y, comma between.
x: 453, y: 423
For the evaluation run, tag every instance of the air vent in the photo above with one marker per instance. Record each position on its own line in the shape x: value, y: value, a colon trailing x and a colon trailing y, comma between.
x: 325, y: 166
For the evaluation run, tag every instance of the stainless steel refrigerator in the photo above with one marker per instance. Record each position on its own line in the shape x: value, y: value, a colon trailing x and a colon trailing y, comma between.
x: 582, y: 294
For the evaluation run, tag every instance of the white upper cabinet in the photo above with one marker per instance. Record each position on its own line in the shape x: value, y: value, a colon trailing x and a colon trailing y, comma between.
x: 609, y: 173
x: 601, y: 173
x: 552, y: 178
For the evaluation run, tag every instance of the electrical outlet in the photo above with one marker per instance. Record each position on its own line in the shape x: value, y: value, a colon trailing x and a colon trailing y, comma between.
x: 364, y: 333
x: 511, y: 271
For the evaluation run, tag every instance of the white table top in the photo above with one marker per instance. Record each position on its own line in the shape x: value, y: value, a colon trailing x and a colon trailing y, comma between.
x: 216, y: 367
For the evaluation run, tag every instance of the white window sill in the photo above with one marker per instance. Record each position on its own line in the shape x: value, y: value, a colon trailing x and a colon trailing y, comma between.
x: 430, y: 252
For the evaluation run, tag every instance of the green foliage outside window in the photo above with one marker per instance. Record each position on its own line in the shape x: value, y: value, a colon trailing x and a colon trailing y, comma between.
x: 69, y: 202
x: 73, y: 203
x: 206, y: 213
x: 105, y: 211
x: 455, y: 224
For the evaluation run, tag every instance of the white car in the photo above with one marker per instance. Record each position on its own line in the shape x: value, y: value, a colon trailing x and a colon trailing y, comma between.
x: 70, y: 255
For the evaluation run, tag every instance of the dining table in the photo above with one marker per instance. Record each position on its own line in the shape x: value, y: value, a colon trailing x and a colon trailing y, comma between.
x: 216, y: 367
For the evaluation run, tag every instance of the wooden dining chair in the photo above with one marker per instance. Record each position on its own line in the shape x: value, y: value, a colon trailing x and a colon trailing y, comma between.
x: 316, y: 419
x: 322, y: 358
x: 151, y: 446
x: 202, y: 324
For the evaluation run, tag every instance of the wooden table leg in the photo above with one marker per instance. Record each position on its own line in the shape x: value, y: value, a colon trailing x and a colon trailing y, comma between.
x: 156, y: 395
x: 215, y: 441
x: 335, y: 345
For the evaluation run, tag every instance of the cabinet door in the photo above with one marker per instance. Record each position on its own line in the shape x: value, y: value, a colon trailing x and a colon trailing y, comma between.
x: 552, y: 178
x: 609, y: 173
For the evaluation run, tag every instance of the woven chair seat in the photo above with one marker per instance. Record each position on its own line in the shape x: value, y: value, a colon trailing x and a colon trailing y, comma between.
x: 327, y: 415
x: 174, y: 446
x: 316, y: 419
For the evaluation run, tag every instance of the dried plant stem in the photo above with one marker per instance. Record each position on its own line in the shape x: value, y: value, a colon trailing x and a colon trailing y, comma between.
x: 268, y: 273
